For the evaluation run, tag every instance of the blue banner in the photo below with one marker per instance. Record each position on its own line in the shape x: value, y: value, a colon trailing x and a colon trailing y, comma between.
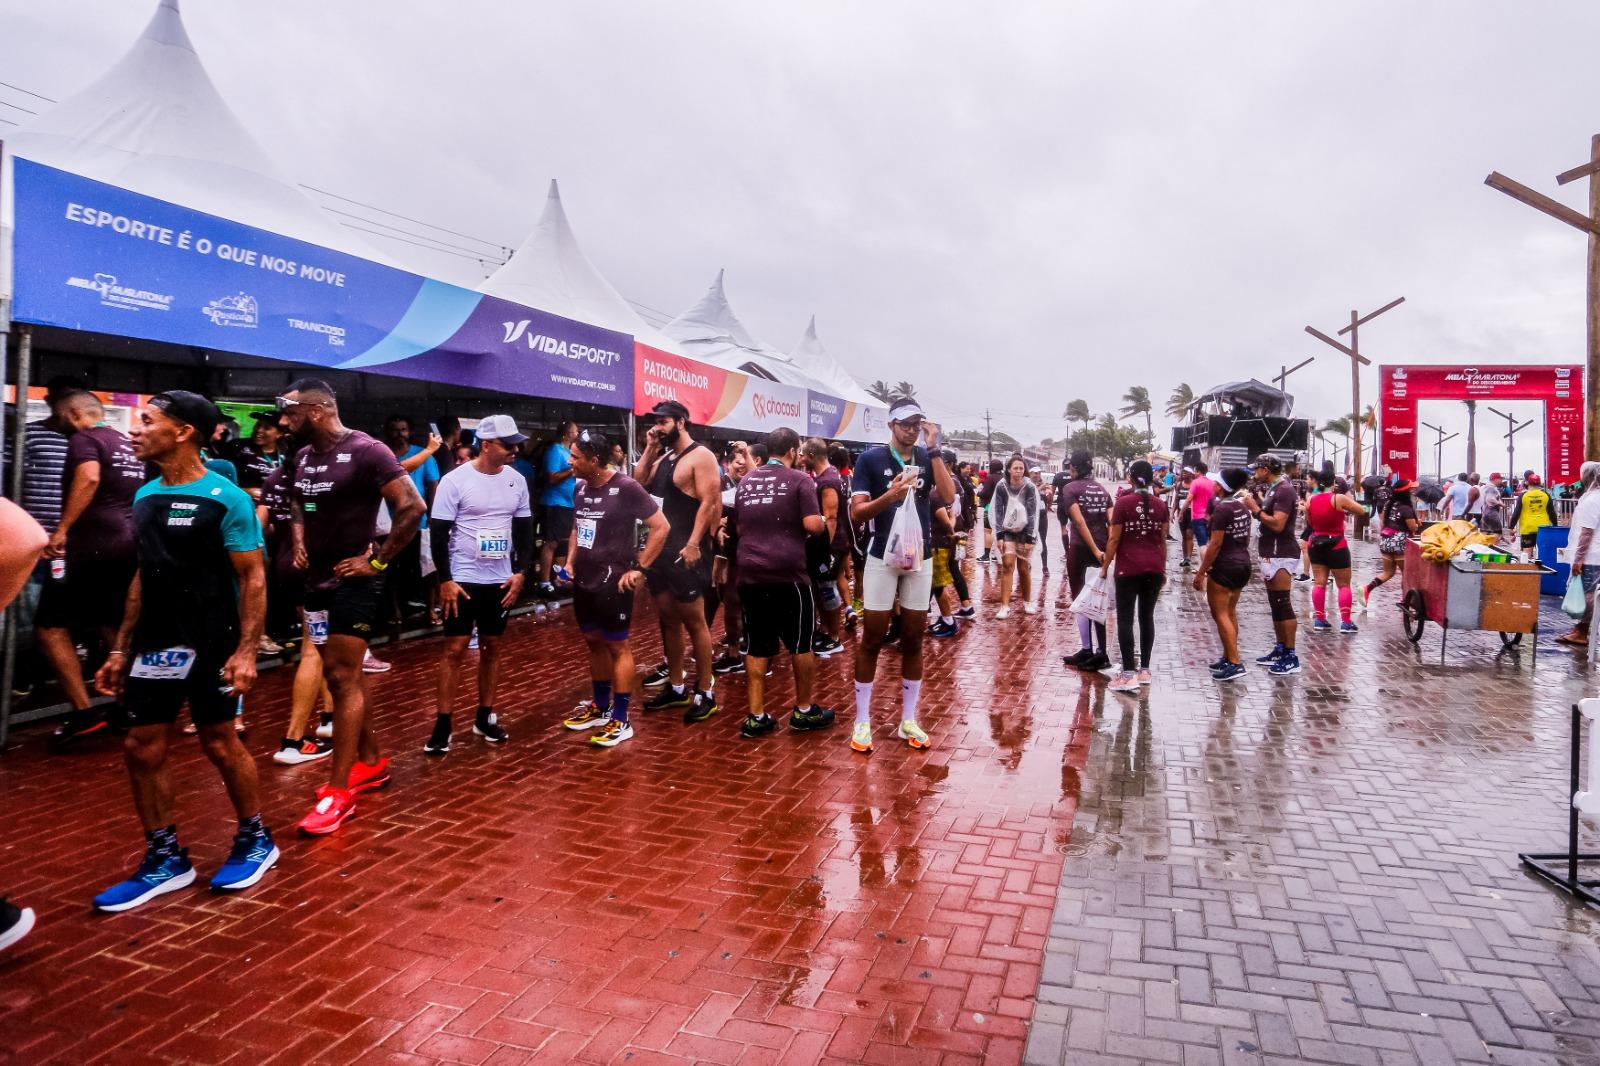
x: 91, y: 256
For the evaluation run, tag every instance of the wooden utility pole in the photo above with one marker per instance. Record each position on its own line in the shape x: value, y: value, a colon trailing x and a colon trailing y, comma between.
x: 1589, y: 224
x: 1357, y: 361
x: 1283, y: 374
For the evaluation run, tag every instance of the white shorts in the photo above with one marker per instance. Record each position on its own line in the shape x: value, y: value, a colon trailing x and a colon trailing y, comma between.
x: 881, y: 587
x: 1271, y: 567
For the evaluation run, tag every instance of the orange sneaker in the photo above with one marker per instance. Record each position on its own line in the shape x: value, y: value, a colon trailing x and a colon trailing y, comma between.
x: 334, y: 805
x: 364, y: 777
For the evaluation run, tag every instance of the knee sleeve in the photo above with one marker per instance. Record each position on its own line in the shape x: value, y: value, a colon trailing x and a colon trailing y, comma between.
x: 1282, y: 603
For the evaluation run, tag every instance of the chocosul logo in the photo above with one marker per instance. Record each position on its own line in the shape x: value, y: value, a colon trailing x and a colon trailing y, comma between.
x: 765, y: 407
x: 574, y: 350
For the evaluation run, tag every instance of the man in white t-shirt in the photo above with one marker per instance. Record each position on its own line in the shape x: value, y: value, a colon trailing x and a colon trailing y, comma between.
x: 480, y: 531
x: 1585, y: 553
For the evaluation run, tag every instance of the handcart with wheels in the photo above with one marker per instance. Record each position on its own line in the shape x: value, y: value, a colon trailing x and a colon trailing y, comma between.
x: 1497, y: 597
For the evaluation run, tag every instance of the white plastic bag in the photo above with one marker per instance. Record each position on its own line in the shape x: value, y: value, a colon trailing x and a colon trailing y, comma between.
x: 1574, y: 603
x: 1094, y: 602
x: 903, y: 550
x: 1016, y: 516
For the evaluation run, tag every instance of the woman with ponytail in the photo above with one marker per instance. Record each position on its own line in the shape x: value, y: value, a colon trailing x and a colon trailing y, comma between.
x: 1138, y: 546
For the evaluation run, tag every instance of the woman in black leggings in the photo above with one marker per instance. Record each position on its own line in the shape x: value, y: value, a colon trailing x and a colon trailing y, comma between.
x: 1138, y: 546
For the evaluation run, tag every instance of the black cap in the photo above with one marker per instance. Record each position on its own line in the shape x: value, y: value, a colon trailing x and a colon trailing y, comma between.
x: 670, y: 409
x: 1234, y: 478
x: 189, y: 407
x: 1271, y: 462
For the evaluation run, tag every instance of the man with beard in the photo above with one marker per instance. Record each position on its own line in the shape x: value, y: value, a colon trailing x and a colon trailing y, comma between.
x: 340, y: 477
x: 683, y: 475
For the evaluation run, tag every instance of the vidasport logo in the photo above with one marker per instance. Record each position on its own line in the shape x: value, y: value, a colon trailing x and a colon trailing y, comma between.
x: 518, y: 331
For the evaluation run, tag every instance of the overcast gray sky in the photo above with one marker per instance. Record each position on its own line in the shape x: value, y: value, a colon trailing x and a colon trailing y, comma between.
x: 1010, y: 204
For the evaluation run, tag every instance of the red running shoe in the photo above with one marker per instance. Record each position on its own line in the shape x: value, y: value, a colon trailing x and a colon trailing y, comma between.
x: 364, y: 776
x: 334, y: 805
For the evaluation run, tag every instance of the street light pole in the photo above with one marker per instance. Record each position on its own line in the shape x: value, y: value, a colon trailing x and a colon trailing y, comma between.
x: 1590, y: 225
x: 1286, y: 370
x: 1512, y: 429
x: 1438, y: 450
x: 1357, y: 361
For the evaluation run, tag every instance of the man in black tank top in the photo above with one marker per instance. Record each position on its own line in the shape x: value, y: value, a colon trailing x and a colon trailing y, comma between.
x: 685, y: 478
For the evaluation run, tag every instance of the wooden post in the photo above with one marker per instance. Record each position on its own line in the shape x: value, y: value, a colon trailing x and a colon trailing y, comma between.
x: 1355, y: 398
x: 1589, y: 224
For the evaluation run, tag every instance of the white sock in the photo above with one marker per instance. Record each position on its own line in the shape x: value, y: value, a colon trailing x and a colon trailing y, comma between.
x: 948, y: 619
x: 909, y: 691
x: 863, y: 701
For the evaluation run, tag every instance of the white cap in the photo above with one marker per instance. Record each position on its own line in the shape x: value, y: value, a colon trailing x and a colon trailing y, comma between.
x: 502, y: 428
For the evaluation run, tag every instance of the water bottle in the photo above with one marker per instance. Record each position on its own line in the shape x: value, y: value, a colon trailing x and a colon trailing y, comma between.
x: 562, y: 575
x: 58, y: 569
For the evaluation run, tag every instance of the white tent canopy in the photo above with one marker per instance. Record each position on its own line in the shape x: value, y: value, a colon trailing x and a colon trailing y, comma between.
x: 549, y: 271
x: 156, y: 125
x: 711, y: 332
x: 810, y: 356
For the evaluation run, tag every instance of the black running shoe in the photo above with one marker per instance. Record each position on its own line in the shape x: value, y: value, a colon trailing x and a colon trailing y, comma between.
x: 1097, y: 662
x: 812, y: 717
x: 893, y: 636
x: 15, y: 923
x: 666, y: 699
x: 728, y: 663
x: 1077, y: 658
x: 757, y: 725
x: 488, y: 727
x: 439, y: 742
x: 79, y: 724
x: 703, y: 707
x: 942, y: 628
x: 826, y: 646
x: 658, y: 676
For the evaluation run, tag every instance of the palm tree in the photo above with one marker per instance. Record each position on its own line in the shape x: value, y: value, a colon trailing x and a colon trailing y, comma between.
x: 1339, y: 427
x: 905, y: 389
x: 1136, y: 402
x: 1179, y: 403
x: 879, y: 390
x: 1078, y: 411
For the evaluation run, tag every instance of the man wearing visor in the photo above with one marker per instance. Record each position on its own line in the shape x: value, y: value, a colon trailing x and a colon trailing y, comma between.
x: 885, y: 477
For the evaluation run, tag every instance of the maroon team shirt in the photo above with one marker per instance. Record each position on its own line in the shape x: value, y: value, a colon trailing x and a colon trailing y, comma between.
x: 831, y: 479
x: 1231, y: 521
x: 603, y: 520
x: 339, y: 492
x: 1142, y: 548
x: 770, y: 505
x: 104, y: 532
x: 1095, y: 503
x: 1281, y: 499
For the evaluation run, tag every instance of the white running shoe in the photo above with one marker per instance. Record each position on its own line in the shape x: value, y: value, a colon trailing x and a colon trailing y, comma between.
x: 1030, y: 608
x: 1004, y: 612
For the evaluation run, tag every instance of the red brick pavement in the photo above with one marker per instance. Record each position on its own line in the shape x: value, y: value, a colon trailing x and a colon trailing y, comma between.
x: 689, y: 896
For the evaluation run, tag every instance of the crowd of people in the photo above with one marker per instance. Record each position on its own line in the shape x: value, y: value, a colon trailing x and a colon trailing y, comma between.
x: 187, y: 557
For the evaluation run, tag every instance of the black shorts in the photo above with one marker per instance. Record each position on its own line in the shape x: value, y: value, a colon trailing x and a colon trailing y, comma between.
x: 94, y: 593
x: 1233, y: 577
x: 1331, y: 552
x: 481, y: 609
x: 1185, y: 518
x: 157, y: 700
x: 1530, y: 541
x: 607, y: 610
x: 352, y: 607
x: 684, y: 582
x: 557, y: 524
x: 777, y: 615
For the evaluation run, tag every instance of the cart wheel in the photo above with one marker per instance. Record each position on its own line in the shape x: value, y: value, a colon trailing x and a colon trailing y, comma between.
x: 1510, y: 640
x: 1413, y: 611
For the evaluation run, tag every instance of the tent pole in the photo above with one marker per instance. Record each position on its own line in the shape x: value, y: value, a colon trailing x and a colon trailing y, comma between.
x: 8, y: 673
x: 633, y: 438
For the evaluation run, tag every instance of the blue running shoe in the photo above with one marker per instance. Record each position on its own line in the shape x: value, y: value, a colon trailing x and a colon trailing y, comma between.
x: 1322, y: 625
x: 1288, y: 663
x: 1271, y: 657
x: 252, y: 856
x: 1229, y: 672
x: 157, y: 875
x: 1348, y: 629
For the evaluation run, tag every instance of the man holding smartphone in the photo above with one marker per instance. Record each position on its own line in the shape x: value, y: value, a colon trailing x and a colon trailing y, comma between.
x: 885, y: 476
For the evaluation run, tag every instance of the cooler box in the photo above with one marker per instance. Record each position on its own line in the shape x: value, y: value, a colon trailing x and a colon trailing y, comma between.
x: 1497, y: 597
x: 1551, y: 538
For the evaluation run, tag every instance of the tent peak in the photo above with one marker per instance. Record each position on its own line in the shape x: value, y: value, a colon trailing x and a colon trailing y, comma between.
x: 555, y: 190
x: 166, y: 27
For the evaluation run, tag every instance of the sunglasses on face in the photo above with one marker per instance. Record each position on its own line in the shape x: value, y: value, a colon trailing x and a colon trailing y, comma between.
x: 284, y: 403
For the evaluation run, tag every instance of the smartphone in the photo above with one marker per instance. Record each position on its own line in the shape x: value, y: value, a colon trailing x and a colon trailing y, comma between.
x: 433, y: 427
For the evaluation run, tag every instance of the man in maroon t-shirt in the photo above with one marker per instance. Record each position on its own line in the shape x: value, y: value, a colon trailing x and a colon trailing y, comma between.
x: 91, y: 553
x: 1279, y: 554
x: 774, y: 510
x: 607, y: 568
x: 832, y: 498
x: 341, y: 476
